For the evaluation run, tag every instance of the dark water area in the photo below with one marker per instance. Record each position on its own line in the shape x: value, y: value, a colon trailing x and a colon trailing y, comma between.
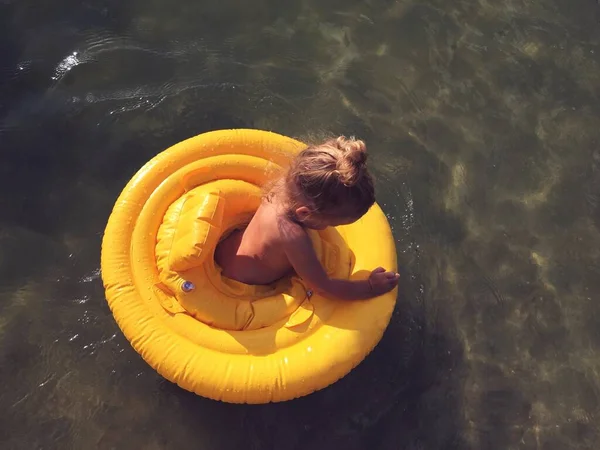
x: 483, y: 125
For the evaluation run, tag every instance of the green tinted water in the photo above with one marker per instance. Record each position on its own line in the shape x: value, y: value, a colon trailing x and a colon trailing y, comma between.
x: 483, y: 125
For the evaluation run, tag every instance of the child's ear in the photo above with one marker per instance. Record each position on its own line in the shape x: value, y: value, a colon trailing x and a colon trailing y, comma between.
x: 302, y: 213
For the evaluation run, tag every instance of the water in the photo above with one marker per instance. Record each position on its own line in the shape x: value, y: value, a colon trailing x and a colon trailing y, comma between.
x: 483, y: 124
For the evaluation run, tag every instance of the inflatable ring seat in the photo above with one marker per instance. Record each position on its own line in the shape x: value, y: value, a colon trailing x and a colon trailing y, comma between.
x: 214, y: 336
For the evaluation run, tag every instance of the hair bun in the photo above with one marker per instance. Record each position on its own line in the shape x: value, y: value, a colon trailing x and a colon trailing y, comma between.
x: 354, y: 149
x: 351, y: 163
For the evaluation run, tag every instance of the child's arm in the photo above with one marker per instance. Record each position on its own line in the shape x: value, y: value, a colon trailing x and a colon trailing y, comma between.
x: 300, y: 252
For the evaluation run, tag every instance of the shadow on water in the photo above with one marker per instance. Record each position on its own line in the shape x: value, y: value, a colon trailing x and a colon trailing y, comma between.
x: 408, y: 386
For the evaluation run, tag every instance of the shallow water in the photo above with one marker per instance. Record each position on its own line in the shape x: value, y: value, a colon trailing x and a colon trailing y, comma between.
x: 483, y: 124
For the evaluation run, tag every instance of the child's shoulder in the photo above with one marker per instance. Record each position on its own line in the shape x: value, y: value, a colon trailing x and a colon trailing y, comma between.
x: 289, y: 229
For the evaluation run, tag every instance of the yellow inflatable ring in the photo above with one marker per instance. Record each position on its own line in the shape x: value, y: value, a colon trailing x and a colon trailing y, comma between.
x: 213, y: 336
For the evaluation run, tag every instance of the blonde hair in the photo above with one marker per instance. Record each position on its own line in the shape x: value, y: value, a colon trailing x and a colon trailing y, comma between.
x: 331, y: 179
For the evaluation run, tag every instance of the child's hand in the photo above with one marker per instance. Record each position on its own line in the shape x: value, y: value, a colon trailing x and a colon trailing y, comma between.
x: 382, y: 281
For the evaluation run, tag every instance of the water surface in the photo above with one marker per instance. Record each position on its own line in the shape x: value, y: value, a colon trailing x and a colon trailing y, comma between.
x: 483, y: 124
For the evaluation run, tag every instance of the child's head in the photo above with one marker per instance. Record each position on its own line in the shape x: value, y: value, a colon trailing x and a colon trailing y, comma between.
x: 329, y: 185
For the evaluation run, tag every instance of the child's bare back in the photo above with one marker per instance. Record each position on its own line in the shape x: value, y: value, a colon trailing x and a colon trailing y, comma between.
x: 326, y: 185
x: 255, y: 255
